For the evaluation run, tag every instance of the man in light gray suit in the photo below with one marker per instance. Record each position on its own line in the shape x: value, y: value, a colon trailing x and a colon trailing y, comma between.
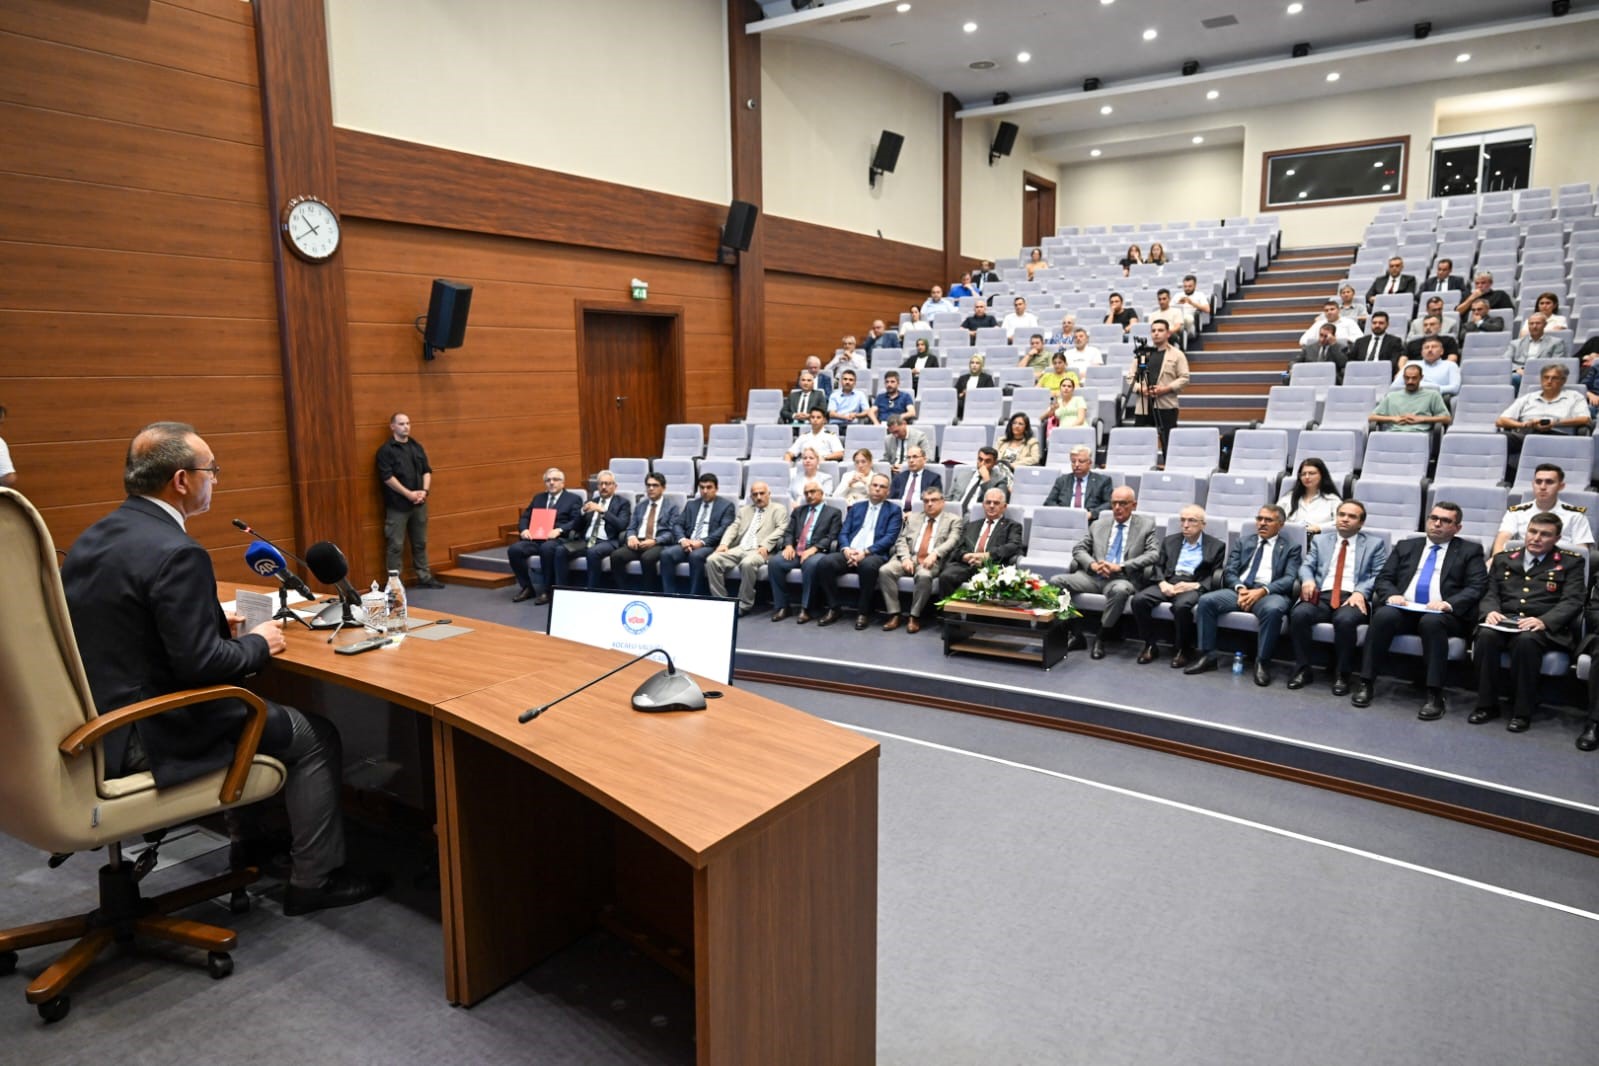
x: 1533, y: 345
x: 926, y: 542
x: 1112, y: 558
x: 754, y: 535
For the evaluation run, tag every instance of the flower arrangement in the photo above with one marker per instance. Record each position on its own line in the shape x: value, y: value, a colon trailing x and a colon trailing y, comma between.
x: 1011, y: 586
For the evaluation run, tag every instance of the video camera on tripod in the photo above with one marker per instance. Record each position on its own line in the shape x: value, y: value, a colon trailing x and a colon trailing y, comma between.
x: 1143, y: 374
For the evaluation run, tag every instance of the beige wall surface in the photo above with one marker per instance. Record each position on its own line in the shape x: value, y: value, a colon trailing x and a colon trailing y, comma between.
x: 1192, y: 184
x: 824, y: 110
x: 533, y: 83
x: 991, y: 196
x: 1565, y: 150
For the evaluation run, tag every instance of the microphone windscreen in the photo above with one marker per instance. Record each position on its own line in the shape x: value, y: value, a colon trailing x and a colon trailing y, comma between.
x: 327, y: 562
x: 264, y: 559
x: 241, y: 524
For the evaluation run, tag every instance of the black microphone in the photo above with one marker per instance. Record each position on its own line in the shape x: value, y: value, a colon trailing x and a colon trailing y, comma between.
x: 667, y: 690
x: 267, y: 560
x: 327, y: 563
x: 244, y: 527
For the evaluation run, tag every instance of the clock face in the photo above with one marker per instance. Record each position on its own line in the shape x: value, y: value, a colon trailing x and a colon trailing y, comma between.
x: 311, y: 228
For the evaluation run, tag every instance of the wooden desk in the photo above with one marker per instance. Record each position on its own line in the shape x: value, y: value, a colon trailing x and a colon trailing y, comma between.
x: 747, y: 833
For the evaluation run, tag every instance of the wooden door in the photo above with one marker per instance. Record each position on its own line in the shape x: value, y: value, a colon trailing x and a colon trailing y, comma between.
x: 1038, y: 209
x: 629, y: 380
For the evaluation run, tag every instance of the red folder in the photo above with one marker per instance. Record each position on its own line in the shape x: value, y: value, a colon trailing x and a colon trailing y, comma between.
x: 541, y: 523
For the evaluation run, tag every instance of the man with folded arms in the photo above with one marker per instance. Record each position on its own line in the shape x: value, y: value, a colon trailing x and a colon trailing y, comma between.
x: 870, y: 529
x: 812, y: 531
x: 1336, y: 583
x: 1429, y: 586
x: 1191, y: 563
x: 1411, y: 409
x: 926, y: 542
x: 745, y: 547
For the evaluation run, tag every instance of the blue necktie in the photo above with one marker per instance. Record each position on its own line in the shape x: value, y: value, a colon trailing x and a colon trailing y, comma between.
x: 1424, y: 579
x: 1254, y: 564
x: 1115, y: 555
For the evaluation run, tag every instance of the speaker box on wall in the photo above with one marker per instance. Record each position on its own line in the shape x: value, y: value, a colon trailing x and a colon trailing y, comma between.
x: 446, y: 321
x: 740, y: 225
x: 888, y: 147
x: 1004, y: 140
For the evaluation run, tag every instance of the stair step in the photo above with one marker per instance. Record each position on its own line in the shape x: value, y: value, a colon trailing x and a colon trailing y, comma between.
x: 1271, y: 321
x: 1279, y: 341
x: 493, y: 560
x: 475, y: 578
x: 1227, y: 417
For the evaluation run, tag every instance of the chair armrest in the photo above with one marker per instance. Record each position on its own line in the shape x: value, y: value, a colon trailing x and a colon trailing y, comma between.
x: 90, y: 733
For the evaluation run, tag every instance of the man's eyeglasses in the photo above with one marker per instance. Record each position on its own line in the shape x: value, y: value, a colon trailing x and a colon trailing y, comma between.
x: 215, y: 470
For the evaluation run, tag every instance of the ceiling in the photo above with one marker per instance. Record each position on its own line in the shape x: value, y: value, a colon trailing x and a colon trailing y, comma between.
x: 1370, y: 44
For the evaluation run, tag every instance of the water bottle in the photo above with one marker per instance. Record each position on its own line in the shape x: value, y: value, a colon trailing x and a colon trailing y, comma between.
x: 394, y: 594
x: 1238, y: 664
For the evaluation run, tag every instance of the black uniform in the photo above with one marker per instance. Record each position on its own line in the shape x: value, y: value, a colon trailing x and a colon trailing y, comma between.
x: 1552, y: 590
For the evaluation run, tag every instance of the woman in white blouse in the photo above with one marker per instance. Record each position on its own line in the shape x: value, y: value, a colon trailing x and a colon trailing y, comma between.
x: 1313, y: 501
x: 852, y: 486
x: 807, y: 469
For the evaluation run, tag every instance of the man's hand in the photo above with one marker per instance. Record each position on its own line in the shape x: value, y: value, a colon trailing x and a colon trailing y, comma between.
x: 1249, y: 597
x: 527, y: 534
x: 1358, y: 602
x: 235, y: 625
x: 1531, y: 624
x: 853, y: 555
x: 1441, y: 605
x: 1307, y: 591
x: 788, y: 554
x: 1493, y: 618
x: 633, y: 543
x: 418, y: 495
x: 271, y: 631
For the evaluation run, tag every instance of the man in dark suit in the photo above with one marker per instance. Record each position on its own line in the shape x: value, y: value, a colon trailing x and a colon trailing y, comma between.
x: 1110, y: 559
x: 811, y: 533
x: 1083, y: 488
x: 1441, y: 572
x: 993, y: 538
x: 1537, y: 589
x: 1337, y: 580
x: 598, y: 533
x: 1396, y: 280
x: 864, y: 544
x: 1378, y: 344
x: 909, y: 483
x: 1430, y: 330
x: 654, y: 527
x: 802, y: 401
x: 1191, y: 563
x: 1588, y: 739
x: 1478, y: 320
x: 705, y: 519
x: 1445, y: 280
x: 1262, y: 571
x: 1483, y: 287
x: 1326, y: 348
x: 568, y: 507
x: 143, y: 599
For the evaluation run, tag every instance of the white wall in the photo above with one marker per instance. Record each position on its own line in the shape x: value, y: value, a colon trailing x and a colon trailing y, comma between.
x: 1192, y: 184
x: 532, y: 83
x: 991, y: 196
x: 823, y: 110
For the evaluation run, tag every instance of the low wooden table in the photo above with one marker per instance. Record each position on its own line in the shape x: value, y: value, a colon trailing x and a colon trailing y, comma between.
x: 1004, y: 632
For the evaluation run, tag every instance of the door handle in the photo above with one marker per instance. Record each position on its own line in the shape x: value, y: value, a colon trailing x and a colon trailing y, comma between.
x: 619, y: 400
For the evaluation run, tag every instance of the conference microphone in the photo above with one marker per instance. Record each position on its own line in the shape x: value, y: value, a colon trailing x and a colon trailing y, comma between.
x: 328, y: 565
x: 244, y: 527
x: 266, y: 560
x: 667, y: 690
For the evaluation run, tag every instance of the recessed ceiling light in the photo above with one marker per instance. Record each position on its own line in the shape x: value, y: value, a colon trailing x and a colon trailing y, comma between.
x: 1199, y: 140
x: 1107, y: 109
x: 1288, y: 173
x: 1107, y: 3
x: 1294, y: 9
x: 1378, y: 165
x: 1150, y: 34
x: 970, y: 27
x: 1024, y: 57
x: 1095, y: 152
x: 1463, y: 57
x: 1213, y: 94
x: 1387, y: 188
x: 1497, y: 173
x: 902, y: 8
x: 1332, y: 75
x: 1303, y: 195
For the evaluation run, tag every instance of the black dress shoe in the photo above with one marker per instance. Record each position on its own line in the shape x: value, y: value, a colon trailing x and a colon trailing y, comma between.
x: 829, y: 617
x: 1180, y: 660
x: 341, y: 889
x: 541, y: 599
x: 523, y: 595
x: 1076, y: 642
x: 1362, y: 695
x: 804, y: 616
x: 1340, y: 685
x: 1518, y: 724
x: 1202, y: 665
x: 1433, y: 707
x: 781, y: 613
x: 1483, y: 714
x: 1098, y: 650
x: 862, y: 620
x: 1589, y: 740
x: 1147, y: 656
x: 1262, y: 674
x: 1302, y: 677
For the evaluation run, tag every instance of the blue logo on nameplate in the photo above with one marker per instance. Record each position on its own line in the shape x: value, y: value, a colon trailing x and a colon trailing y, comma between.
x: 637, y: 617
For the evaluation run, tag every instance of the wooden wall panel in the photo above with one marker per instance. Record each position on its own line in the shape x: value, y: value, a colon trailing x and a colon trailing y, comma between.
x: 794, y: 247
x: 135, y: 240
x: 803, y: 316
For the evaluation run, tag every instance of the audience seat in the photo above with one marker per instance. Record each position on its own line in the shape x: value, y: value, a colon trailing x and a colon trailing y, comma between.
x: 729, y: 477
x: 1573, y: 454
x: 630, y: 474
x: 728, y: 440
x: 684, y: 438
x: 771, y: 442
x: 763, y: 406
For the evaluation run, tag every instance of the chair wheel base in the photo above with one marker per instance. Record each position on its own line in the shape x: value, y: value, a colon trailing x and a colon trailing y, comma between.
x: 218, y: 963
x: 54, y: 1009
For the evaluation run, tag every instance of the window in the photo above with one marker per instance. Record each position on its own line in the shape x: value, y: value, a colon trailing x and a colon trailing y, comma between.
x: 1482, y: 162
x: 1359, y: 172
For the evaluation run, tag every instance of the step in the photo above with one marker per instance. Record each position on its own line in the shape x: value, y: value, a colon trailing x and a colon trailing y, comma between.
x: 490, y: 559
x: 1300, y: 289
x: 1303, y: 277
x: 1244, y: 363
x: 475, y: 578
x: 1270, y: 321
x: 1227, y: 417
x: 1247, y: 303
x: 1258, y: 341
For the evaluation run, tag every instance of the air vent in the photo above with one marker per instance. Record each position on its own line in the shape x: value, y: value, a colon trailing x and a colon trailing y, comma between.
x: 982, y: 64
x: 854, y: 18
x: 1219, y: 22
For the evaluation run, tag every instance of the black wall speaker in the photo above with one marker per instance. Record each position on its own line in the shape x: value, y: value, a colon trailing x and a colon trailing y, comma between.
x: 446, y: 321
x: 1004, y: 140
x: 740, y: 225
x: 888, y: 147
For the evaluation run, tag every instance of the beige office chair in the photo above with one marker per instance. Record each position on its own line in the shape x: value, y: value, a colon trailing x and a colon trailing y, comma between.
x: 56, y: 793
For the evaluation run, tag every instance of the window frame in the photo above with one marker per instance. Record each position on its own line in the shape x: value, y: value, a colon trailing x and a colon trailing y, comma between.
x: 1401, y: 143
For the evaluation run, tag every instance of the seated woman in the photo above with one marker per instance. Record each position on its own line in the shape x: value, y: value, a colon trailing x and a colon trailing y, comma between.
x: 1036, y: 262
x: 1313, y: 501
x: 852, y: 486
x: 1157, y: 254
x: 1549, y: 304
x: 1068, y: 410
x: 974, y: 378
x: 916, y: 324
x: 807, y: 468
x: 1132, y: 257
x: 1051, y: 378
x: 919, y: 360
x: 1019, y: 447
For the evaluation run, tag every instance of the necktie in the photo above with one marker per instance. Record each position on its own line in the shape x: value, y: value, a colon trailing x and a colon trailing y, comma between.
x: 1115, y: 553
x: 1529, y: 563
x: 982, y: 541
x: 649, y: 522
x: 805, y: 533
x: 702, y: 523
x: 1077, y: 494
x: 1254, y: 564
x: 1338, y: 575
x: 805, y: 402
x: 972, y: 488
x: 748, y: 540
x: 912, y: 484
x: 927, y: 540
x: 595, y: 524
x: 1393, y: 284
x: 1322, y: 358
x: 868, y: 531
x: 1424, y: 578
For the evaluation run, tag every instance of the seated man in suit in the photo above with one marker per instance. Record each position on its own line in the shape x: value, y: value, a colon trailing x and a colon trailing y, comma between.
x: 1191, y: 563
x: 1396, y: 280
x: 746, y: 546
x: 705, y: 519
x: 824, y: 380
x: 1378, y: 344
x: 1536, y: 592
x: 597, y: 534
x: 1431, y: 325
x: 926, y: 542
x: 812, y: 531
x: 1444, y: 280
x: 879, y: 336
x: 870, y: 529
x: 802, y: 401
x: 909, y: 483
x: 143, y: 600
x: 1429, y: 586
x: 1336, y: 582
x: 1326, y: 348
x: 1479, y: 320
x: 568, y: 508
x: 1448, y: 321
x: 967, y: 482
x: 1533, y: 345
x: 1262, y: 571
x: 654, y: 527
x: 1083, y: 489
x: 993, y: 538
x: 1111, y: 559
x: 1483, y: 287
x: 900, y: 439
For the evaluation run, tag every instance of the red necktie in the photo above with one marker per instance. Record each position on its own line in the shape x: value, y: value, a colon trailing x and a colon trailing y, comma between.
x: 910, y: 489
x: 927, y: 537
x: 1338, y: 574
x: 1077, y: 494
x: 805, y: 534
x: 982, y: 541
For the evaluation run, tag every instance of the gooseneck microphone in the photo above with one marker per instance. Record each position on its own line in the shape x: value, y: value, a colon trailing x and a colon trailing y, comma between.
x: 244, y: 527
x: 265, y: 559
x: 667, y: 690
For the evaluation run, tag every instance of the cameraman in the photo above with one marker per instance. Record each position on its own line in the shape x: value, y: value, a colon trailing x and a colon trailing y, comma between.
x: 1158, y: 374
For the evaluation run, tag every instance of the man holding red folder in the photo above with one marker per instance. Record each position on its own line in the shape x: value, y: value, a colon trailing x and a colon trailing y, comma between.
x: 549, y: 517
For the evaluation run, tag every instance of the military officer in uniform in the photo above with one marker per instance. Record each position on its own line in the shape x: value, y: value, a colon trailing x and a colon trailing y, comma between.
x: 1548, y: 479
x: 1538, y: 590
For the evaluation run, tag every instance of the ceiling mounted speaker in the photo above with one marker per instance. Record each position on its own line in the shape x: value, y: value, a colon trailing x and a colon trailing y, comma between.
x: 1004, y: 141
x: 1090, y: 84
x: 1190, y: 68
x: 1301, y: 50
